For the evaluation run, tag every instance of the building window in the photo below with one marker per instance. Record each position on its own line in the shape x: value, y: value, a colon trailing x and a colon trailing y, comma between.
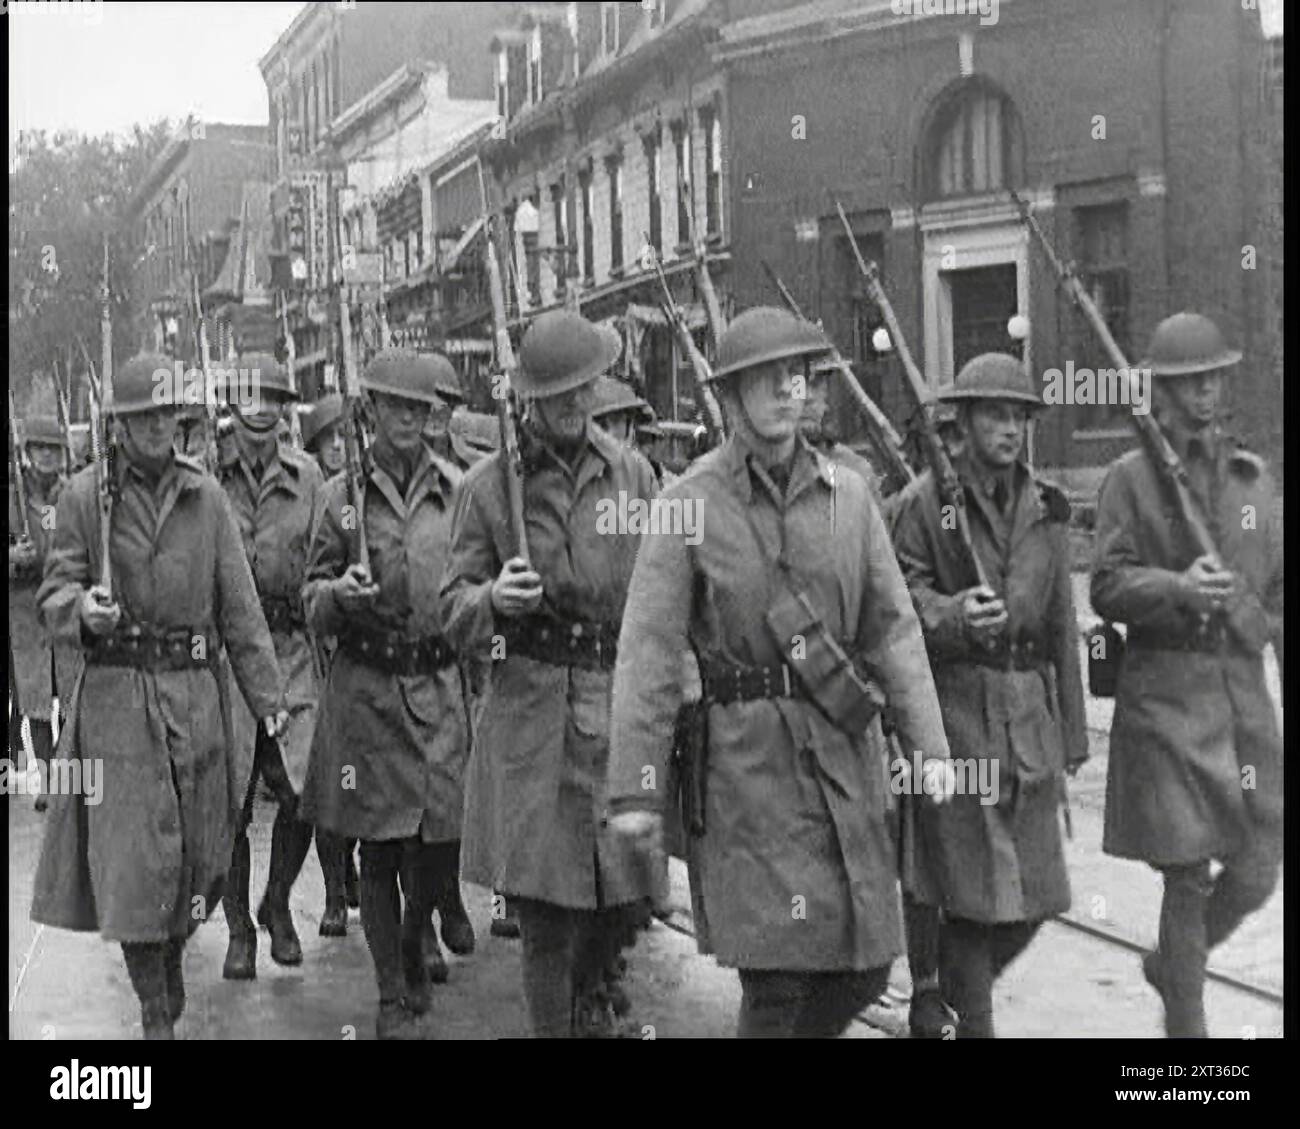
x: 712, y: 124
x: 652, y: 162
x: 535, y: 65
x: 1101, y: 236
x: 588, y: 240
x: 682, y: 146
x: 973, y: 143
x: 503, y: 83
x: 609, y: 28
x: 656, y: 12
x: 527, y: 223
x: 614, y: 167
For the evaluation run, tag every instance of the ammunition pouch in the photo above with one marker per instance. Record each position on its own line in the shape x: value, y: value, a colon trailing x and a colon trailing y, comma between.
x: 823, y: 668
x: 1105, y: 653
x: 590, y: 646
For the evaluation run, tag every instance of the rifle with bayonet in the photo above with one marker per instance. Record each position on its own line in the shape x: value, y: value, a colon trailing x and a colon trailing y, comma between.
x: 1169, y: 466
x: 19, y: 468
x: 945, y: 475
x: 62, y: 398
x: 354, y: 435
x: 511, y: 459
x: 686, y: 344
x: 100, y: 442
x: 291, y: 363
x: 887, y: 440
x: 210, y: 458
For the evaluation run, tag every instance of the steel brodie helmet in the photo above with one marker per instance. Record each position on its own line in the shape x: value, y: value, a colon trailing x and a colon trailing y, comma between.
x: 764, y: 334
x: 991, y: 376
x: 316, y: 417
x: 146, y: 383
x: 561, y: 351
x: 408, y: 374
x: 1185, y: 343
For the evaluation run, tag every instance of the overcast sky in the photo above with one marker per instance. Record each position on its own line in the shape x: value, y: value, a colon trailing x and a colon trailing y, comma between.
x: 101, y: 67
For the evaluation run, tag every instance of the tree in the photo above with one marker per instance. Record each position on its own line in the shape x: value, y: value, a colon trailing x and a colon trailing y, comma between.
x: 66, y: 194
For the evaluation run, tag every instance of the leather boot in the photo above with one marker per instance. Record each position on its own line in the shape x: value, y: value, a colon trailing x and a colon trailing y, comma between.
x: 175, y: 977
x: 418, y: 996
x: 290, y: 839
x: 454, y: 925
x: 397, y: 1022
x: 43, y: 749
x: 329, y: 849
x: 1177, y: 969
x: 351, y: 879
x: 507, y: 924
x: 146, y: 966
x: 241, y: 953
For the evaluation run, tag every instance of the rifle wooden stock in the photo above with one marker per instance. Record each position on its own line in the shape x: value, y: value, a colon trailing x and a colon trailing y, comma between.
x: 210, y: 459
x: 945, y: 475
x: 511, y: 460
x: 1168, y: 464
x: 20, y: 483
x: 291, y: 362
x: 887, y: 439
x: 353, y: 432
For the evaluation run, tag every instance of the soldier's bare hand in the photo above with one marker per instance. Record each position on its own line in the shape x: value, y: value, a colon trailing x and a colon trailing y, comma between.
x: 99, y: 613
x: 644, y: 830
x: 276, y: 723
x: 939, y: 781
x: 22, y: 556
x: 985, y: 615
x: 1211, y: 588
x: 518, y: 590
x: 355, y: 591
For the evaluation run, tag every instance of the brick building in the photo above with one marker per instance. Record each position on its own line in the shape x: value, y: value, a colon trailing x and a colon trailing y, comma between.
x: 182, y: 216
x: 613, y: 124
x: 1145, y: 133
x: 329, y: 59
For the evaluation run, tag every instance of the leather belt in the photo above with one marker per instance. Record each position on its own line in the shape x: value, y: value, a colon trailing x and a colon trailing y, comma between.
x: 590, y: 646
x: 175, y: 648
x: 395, y: 653
x: 1016, y: 654
x: 1212, y: 640
x: 283, y: 613
x: 726, y: 682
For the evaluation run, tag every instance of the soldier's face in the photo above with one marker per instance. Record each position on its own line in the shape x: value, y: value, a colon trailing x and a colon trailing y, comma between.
x: 767, y: 393
x: 151, y: 433
x: 1195, y: 397
x: 996, y: 431
x: 400, y: 421
x: 330, y: 452
x: 269, y: 412
x: 47, y: 460
x: 564, y: 417
x: 813, y: 420
x: 619, y: 425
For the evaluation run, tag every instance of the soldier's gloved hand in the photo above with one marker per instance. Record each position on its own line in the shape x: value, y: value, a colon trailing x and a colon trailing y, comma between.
x: 1209, y: 587
x: 643, y: 830
x: 984, y: 615
x: 518, y: 590
x: 99, y: 614
x: 355, y: 591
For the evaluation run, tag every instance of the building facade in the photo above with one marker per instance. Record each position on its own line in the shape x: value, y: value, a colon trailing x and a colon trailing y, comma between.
x: 1127, y: 123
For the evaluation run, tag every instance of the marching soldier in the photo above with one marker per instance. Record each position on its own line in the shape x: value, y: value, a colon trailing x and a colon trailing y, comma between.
x: 619, y: 410
x: 322, y: 438
x: 450, y: 399
x: 144, y: 865
x: 794, y: 875
x: 275, y: 492
x: 391, y: 741
x: 812, y: 425
x: 1195, y: 772
x: 322, y: 433
x: 534, y: 806
x: 1006, y: 666
x: 40, y: 668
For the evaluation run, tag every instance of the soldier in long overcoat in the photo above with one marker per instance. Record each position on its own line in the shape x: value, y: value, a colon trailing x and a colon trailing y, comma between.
x: 794, y: 874
x: 1006, y: 665
x: 275, y: 492
x: 388, y: 756
x: 41, y: 668
x: 1195, y: 772
x: 535, y: 827
x: 144, y: 861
